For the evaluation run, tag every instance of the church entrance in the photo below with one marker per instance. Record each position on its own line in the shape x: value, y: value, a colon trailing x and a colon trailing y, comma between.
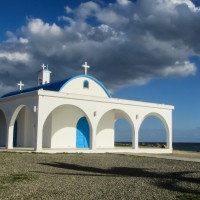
x: 82, y: 133
x: 15, y: 134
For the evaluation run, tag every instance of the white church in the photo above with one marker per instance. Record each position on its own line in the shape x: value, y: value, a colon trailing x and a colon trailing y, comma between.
x: 73, y: 115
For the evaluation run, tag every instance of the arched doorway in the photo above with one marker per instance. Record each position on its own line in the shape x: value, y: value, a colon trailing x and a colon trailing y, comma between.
x: 152, y: 132
x: 60, y: 128
x: 3, y: 129
x: 82, y: 133
x: 108, y: 132
x: 22, y: 127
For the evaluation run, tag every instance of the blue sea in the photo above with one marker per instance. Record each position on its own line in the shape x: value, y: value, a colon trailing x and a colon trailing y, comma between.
x: 186, y: 146
x: 181, y: 146
x: 176, y: 145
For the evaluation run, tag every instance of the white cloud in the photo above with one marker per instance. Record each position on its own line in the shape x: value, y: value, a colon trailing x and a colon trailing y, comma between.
x: 15, y: 56
x: 68, y: 9
x: 128, y: 45
x: 123, y: 2
x: 86, y: 9
x: 180, y: 69
x: 104, y: 28
x: 37, y: 26
x: 107, y: 16
x: 23, y: 40
x: 67, y: 19
x: 173, y: 3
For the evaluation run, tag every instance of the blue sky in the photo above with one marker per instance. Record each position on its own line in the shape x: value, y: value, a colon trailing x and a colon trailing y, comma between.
x: 145, y: 50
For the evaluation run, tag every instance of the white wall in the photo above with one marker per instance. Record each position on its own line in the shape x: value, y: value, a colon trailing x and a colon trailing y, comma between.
x: 20, y: 127
x: 12, y: 106
x: 2, y: 130
x: 44, y: 76
x: 25, y: 128
x: 60, y: 127
x: 90, y: 105
x: 47, y: 129
x: 29, y: 133
x: 76, y: 87
x: 105, y: 131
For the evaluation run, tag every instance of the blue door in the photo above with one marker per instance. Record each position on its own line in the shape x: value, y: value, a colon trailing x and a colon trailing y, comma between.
x: 15, y: 134
x: 82, y: 133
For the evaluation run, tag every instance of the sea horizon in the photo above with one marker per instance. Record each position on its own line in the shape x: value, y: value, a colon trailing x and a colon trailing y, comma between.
x: 181, y: 146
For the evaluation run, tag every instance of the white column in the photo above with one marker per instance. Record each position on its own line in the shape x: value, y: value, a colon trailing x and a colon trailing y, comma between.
x: 135, y: 138
x: 9, y: 140
x: 38, y: 130
x: 93, y: 139
x: 135, y: 122
x: 10, y: 128
x: 38, y: 142
x: 169, y: 134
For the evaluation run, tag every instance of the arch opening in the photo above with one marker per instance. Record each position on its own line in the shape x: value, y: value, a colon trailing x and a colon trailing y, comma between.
x: 82, y: 133
x: 60, y: 127
x: 114, y: 129
x: 22, y: 128
x: 123, y: 133
x: 3, y: 129
x: 153, y: 132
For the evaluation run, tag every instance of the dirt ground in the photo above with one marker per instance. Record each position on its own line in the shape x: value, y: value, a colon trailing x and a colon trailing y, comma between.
x: 186, y: 154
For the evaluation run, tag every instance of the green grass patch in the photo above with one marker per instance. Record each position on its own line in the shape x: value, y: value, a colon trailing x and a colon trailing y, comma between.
x: 12, y: 152
x: 62, y: 153
x: 35, y: 152
x: 19, y: 177
x: 12, y: 178
x: 189, y: 197
x: 56, y: 192
x: 7, y: 181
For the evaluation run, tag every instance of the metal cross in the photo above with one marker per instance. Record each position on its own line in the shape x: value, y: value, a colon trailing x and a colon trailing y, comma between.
x: 86, y: 66
x: 43, y: 66
x: 20, y: 85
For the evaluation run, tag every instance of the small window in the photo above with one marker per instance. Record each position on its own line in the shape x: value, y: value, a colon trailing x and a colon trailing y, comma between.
x: 85, y: 84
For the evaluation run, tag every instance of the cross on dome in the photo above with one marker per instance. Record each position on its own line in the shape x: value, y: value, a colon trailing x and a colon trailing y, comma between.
x: 20, y: 85
x: 43, y: 66
x: 86, y: 66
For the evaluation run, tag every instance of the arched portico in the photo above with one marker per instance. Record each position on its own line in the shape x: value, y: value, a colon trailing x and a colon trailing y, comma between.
x: 106, y: 130
x: 60, y: 127
x: 21, y: 128
x: 3, y: 129
x: 163, y: 119
x: 60, y: 108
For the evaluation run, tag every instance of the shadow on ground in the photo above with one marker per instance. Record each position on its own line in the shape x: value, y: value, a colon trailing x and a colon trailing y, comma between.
x: 170, y: 181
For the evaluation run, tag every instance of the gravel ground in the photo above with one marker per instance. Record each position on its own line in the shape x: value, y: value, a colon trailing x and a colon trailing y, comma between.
x: 96, y: 176
x: 186, y: 154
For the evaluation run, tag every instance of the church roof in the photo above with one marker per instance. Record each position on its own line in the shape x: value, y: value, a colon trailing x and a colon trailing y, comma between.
x: 54, y: 86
